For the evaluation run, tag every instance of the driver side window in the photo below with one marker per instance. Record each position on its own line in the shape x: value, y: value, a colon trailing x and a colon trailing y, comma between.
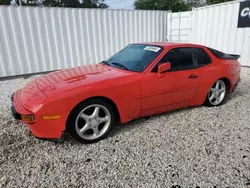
x: 179, y: 58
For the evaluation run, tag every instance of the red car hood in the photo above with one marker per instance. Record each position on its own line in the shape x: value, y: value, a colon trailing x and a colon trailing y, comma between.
x: 68, y: 79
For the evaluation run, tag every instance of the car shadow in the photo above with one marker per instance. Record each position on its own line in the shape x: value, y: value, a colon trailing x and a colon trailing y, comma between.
x: 119, y: 129
x: 238, y: 93
x: 126, y: 127
x: 129, y: 126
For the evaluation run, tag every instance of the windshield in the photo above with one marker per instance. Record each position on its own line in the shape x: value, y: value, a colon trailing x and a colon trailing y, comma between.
x: 135, y: 57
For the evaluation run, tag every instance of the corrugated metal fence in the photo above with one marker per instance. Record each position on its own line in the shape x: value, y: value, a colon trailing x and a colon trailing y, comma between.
x: 34, y: 39
x: 214, y: 26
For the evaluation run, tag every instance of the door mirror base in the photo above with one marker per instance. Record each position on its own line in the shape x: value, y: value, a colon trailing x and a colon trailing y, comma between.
x: 164, y: 67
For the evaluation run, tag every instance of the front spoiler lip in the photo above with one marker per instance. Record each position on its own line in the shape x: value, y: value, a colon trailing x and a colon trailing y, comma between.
x: 57, y: 140
x: 14, y: 113
x: 12, y: 97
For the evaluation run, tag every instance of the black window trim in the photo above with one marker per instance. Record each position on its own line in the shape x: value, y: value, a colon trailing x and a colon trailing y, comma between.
x: 221, y: 55
x: 154, y: 69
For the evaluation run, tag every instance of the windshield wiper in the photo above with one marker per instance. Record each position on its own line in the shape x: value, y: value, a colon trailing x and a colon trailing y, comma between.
x: 120, y: 65
x: 105, y: 62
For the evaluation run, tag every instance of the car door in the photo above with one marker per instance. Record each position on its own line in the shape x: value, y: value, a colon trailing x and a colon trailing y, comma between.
x: 174, y: 87
x: 206, y: 72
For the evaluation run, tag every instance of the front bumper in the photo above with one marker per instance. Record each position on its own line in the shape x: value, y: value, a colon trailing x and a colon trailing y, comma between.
x: 40, y: 129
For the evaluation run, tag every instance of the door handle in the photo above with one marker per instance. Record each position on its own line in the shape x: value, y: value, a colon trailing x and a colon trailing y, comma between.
x: 192, y: 76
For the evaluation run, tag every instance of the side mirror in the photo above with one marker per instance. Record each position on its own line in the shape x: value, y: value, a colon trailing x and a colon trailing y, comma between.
x: 164, y: 67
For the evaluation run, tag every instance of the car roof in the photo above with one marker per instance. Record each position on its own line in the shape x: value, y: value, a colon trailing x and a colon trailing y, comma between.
x: 171, y: 44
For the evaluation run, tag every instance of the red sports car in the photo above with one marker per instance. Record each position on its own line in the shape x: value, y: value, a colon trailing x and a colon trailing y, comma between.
x: 141, y: 80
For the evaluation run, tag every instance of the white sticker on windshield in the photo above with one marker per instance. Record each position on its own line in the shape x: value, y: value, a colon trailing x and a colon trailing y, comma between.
x: 152, y: 48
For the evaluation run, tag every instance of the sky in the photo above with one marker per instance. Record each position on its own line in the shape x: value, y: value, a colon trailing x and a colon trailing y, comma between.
x: 120, y: 4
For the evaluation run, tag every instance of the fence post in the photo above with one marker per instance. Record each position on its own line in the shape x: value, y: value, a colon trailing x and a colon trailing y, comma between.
x: 179, y: 37
x: 191, y: 26
x: 169, y: 26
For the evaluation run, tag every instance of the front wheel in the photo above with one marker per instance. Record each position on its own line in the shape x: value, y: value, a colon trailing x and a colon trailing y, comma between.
x: 217, y: 94
x: 91, y: 121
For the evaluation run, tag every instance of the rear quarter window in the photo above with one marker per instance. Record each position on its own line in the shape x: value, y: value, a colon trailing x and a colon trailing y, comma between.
x: 202, y: 58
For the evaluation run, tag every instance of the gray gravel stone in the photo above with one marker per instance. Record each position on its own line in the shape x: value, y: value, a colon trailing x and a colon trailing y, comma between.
x: 192, y: 147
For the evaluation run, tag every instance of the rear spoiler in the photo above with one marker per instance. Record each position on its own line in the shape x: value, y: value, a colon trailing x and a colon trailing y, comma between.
x: 230, y: 57
x: 222, y: 55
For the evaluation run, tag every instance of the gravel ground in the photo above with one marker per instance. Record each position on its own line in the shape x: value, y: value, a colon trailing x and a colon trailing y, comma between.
x: 195, y: 147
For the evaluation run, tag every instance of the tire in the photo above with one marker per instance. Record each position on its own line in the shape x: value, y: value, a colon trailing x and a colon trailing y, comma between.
x: 91, y: 121
x: 217, y: 94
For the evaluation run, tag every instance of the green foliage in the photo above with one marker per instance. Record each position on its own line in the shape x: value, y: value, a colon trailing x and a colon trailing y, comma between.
x: 174, y: 5
x: 194, y: 3
x: 75, y: 3
x: 210, y: 2
x: 61, y: 3
x: 4, y: 2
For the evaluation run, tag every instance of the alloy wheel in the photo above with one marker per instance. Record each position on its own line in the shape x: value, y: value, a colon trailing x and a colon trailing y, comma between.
x: 217, y: 93
x: 93, y: 122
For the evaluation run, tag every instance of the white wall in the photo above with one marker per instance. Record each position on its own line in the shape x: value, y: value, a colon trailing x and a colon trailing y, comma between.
x: 35, y: 39
x: 216, y: 27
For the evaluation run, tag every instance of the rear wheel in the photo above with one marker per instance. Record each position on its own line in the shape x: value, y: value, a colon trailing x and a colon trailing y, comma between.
x: 217, y: 94
x: 91, y: 121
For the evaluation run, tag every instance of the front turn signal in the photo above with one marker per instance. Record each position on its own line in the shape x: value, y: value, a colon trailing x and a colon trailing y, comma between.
x: 51, y: 117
